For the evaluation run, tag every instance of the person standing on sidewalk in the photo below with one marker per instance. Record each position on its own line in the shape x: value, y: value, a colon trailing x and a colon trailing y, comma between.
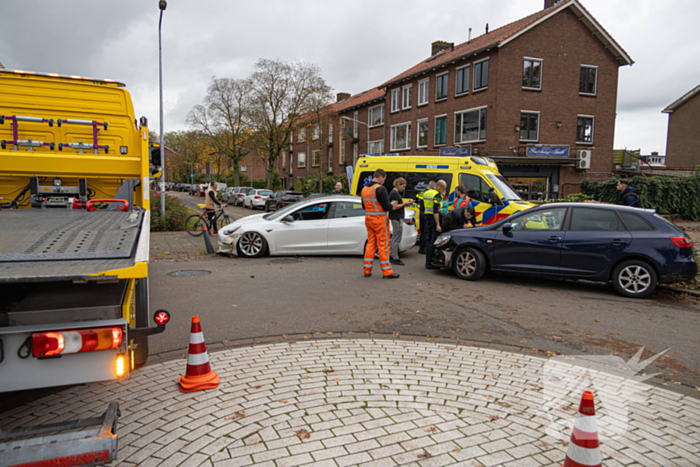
x: 421, y: 217
x: 396, y: 216
x: 433, y: 201
x: 210, y: 205
x: 375, y: 200
x: 627, y: 196
x: 338, y: 189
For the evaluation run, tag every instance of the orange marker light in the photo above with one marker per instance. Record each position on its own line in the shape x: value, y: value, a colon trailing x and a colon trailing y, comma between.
x: 120, y: 366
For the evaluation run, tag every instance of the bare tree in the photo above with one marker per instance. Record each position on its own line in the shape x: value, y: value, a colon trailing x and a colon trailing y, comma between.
x: 222, y: 118
x: 280, y: 93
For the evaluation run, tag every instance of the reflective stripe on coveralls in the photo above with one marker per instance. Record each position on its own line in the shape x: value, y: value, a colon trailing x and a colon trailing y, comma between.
x: 377, y: 223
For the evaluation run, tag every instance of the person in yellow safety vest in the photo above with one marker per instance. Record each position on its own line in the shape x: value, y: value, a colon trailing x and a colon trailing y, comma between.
x: 421, y: 218
x: 375, y: 200
x: 432, y: 199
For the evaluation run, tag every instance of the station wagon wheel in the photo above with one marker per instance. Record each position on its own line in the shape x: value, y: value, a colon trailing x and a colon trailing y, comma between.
x: 469, y: 264
x: 252, y: 245
x: 634, y: 278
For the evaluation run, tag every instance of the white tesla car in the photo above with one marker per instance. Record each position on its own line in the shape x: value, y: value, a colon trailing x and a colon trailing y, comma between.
x: 322, y: 225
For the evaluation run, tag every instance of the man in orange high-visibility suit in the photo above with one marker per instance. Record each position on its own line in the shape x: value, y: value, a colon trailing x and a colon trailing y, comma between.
x: 375, y: 199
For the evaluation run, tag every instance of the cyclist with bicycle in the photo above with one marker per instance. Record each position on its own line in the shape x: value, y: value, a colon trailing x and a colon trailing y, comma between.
x: 211, y: 203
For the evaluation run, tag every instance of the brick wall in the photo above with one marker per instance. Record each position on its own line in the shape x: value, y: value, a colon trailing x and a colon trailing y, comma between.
x: 683, y: 140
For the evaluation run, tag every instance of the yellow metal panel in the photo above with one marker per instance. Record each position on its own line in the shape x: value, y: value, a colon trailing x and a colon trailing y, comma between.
x: 137, y: 271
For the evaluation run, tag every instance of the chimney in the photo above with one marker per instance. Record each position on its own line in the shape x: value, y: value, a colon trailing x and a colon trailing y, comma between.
x: 341, y: 96
x: 487, y: 28
x: 439, y: 46
x: 550, y: 3
x: 469, y: 39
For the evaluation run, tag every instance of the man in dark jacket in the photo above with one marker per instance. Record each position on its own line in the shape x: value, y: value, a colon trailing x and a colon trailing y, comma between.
x: 458, y: 218
x: 627, y: 196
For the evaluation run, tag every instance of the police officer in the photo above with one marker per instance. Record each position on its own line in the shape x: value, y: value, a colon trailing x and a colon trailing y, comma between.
x: 375, y: 200
x: 421, y: 218
x: 432, y: 199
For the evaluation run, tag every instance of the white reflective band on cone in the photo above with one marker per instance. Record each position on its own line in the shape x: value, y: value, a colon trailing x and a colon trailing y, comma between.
x: 586, y: 423
x: 196, y: 338
x: 584, y: 456
x: 197, y: 358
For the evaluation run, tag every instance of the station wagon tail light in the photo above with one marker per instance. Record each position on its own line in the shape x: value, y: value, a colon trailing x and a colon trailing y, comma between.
x: 682, y: 242
x: 410, y: 221
x: 49, y: 344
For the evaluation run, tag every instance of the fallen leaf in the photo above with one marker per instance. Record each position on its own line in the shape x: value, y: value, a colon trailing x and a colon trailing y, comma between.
x: 457, y: 448
x: 284, y: 402
x: 504, y: 404
x: 337, y: 379
x: 234, y: 305
x: 257, y: 387
x: 424, y: 455
x: 336, y: 346
x: 302, y: 434
x: 417, y: 311
x: 432, y: 429
x: 328, y: 370
x: 237, y: 415
x: 494, y: 417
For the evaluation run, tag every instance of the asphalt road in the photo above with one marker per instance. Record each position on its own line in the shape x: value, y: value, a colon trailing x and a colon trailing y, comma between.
x: 241, y: 298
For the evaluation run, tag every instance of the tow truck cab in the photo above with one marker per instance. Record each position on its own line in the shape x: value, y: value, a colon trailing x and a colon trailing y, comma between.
x: 74, y: 231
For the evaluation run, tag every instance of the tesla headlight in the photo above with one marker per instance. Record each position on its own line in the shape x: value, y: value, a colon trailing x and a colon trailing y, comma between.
x: 442, y: 240
x: 230, y: 230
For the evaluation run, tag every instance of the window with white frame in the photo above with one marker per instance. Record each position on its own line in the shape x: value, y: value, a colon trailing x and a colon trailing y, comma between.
x: 440, y: 130
x: 395, y: 100
x: 532, y: 73
x: 401, y: 137
x: 481, y: 75
x: 330, y: 159
x: 355, y: 125
x: 423, y: 91
x: 529, y: 126
x: 355, y: 154
x: 341, y: 158
x: 284, y: 160
x: 407, y: 96
x: 588, y: 80
x: 315, y: 158
x: 376, y: 147
x: 330, y: 132
x: 584, y: 129
x: 301, y: 160
x: 316, y: 132
x: 301, y: 135
x: 291, y: 161
x: 376, y: 115
x: 441, y: 87
x: 422, y: 134
x: 462, y: 85
x: 470, y: 125
x: 244, y: 168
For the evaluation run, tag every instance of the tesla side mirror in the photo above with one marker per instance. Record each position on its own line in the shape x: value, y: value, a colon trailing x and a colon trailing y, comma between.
x: 288, y: 219
x: 494, y: 199
x: 506, y: 228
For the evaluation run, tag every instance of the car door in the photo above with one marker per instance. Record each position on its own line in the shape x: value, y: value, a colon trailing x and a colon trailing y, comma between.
x: 307, y: 234
x: 346, y: 229
x: 532, y: 245
x: 595, y: 239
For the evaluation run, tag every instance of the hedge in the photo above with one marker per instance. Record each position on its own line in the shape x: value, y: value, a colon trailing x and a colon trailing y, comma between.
x: 668, y: 195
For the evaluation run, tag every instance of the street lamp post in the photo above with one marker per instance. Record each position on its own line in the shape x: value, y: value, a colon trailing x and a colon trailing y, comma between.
x: 361, y: 123
x: 162, y: 4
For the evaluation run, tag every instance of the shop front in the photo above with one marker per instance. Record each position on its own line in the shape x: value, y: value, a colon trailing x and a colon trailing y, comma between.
x: 533, y: 179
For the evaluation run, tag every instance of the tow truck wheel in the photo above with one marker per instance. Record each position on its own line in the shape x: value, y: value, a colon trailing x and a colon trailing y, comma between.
x: 469, y: 264
x: 141, y: 343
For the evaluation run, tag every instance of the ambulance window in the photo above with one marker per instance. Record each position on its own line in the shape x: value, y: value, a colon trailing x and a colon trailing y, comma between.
x: 417, y: 182
x: 477, y: 189
x: 366, y: 178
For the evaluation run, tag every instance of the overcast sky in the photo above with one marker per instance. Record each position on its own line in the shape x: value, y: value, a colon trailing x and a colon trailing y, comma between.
x: 358, y: 44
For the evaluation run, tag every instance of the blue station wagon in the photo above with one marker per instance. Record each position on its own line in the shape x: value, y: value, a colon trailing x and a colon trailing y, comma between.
x: 634, y: 249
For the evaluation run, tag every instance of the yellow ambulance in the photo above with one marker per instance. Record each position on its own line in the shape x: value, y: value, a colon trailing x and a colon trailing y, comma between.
x: 493, y: 198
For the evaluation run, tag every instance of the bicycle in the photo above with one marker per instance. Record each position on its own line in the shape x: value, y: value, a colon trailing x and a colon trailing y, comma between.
x: 193, y: 224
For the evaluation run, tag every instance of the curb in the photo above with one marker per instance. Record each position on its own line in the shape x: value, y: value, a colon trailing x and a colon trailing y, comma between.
x: 293, y: 338
x: 694, y: 293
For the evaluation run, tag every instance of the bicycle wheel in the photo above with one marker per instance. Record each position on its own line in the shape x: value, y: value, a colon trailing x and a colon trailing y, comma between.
x: 193, y: 224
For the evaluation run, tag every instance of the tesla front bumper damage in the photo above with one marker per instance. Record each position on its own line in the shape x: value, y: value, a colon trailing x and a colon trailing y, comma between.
x: 227, y: 243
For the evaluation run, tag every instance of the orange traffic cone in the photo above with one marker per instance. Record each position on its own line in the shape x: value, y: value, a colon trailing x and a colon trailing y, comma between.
x: 199, y: 375
x: 584, y: 449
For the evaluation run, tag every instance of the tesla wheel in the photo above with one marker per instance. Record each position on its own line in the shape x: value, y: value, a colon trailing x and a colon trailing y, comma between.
x: 469, y: 264
x: 634, y: 279
x: 193, y: 224
x: 252, y: 245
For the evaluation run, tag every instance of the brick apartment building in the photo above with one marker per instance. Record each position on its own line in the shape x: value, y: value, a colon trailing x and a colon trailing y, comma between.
x: 683, y: 139
x: 537, y: 95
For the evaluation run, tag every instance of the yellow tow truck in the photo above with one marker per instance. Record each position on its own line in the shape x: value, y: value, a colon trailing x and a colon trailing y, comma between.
x: 74, y: 231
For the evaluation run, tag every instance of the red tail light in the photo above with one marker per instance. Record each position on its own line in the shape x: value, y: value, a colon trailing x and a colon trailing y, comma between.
x: 682, y: 242
x: 410, y: 221
x: 47, y: 344
x: 257, y: 197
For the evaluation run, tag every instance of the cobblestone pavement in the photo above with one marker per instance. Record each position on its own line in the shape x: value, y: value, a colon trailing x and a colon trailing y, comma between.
x: 341, y: 402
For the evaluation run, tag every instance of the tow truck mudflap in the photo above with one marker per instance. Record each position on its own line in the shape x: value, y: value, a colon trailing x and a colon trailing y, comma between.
x: 33, y: 446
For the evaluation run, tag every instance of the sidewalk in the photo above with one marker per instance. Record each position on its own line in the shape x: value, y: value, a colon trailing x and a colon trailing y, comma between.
x: 341, y: 402
x: 177, y: 246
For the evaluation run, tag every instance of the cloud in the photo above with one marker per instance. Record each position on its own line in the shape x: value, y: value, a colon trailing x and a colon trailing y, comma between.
x: 358, y: 45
